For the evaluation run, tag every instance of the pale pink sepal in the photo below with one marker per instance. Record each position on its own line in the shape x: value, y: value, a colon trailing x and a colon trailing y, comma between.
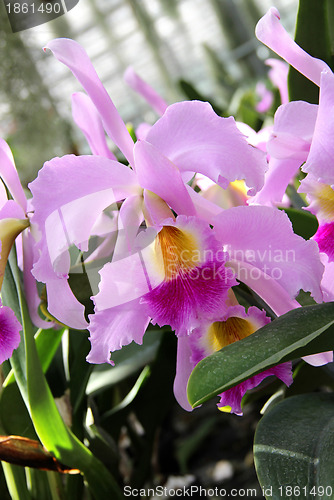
x: 319, y: 359
x: 145, y: 90
x: 270, y: 32
x: 184, y: 367
x: 63, y: 305
x: 320, y: 161
x: 76, y: 59
x: 88, y: 120
x: 10, y: 176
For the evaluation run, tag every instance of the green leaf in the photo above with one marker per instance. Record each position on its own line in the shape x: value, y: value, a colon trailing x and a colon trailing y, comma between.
x: 294, y: 448
x: 304, y: 223
x: 312, y: 34
x: 303, y: 331
x: 128, y: 361
x: 47, y: 343
x: 49, y: 426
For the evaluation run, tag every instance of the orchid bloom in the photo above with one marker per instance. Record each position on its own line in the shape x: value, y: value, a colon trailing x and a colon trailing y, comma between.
x: 12, y: 222
x: 15, y: 213
x: 212, y: 336
x: 188, y: 138
x: 181, y: 276
x: 294, y: 124
x: 307, y: 138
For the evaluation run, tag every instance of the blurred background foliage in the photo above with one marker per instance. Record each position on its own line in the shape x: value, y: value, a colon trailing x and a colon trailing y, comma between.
x: 183, y: 48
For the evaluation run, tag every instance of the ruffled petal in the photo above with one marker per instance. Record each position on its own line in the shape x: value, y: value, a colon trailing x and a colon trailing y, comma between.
x: 195, y: 280
x: 76, y: 59
x: 9, y: 332
x: 230, y: 400
x: 232, y: 326
x: 264, y: 238
x: 325, y: 239
x: 110, y: 329
x: 128, y: 278
x: 87, y: 118
x: 145, y: 90
x: 270, y: 32
x: 195, y: 139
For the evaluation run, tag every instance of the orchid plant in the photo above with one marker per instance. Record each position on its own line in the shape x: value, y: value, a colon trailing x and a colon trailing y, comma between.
x: 195, y: 228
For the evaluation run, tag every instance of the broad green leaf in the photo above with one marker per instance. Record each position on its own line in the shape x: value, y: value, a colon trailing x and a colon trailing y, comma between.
x: 312, y: 34
x: 294, y: 448
x: 304, y: 223
x: 303, y: 331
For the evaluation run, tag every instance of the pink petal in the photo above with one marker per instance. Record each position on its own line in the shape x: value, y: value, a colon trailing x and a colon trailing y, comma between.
x: 88, y: 120
x: 195, y: 281
x: 264, y: 286
x: 232, y: 397
x: 82, y: 186
x: 9, y: 332
x: 130, y: 216
x: 279, y: 175
x: 156, y: 209
x: 278, y: 74
x: 195, y: 139
x: 266, y: 98
x: 319, y: 359
x: 325, y: 239
x: 184, y: 368
x: 293, y: 131
x: 205, y: 209
x: 10, y: 176
x: 30, y: 286
x: 270, y: 32
x: 158, y: 174
x: 63, y: 305
x: 320, y: 159
x: 145, y: 90
x: 142, y: 130
x: 76, y: 59
x: 110, y: 329
x: 264, y: 238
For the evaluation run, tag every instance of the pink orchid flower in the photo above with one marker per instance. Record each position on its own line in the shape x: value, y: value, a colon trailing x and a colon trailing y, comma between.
x: 188, y: 138
x: 14, y: 220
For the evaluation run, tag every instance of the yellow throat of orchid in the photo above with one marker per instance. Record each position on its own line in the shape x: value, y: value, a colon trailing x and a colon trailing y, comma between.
x: 223, y: 333
x: 177, y: 251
